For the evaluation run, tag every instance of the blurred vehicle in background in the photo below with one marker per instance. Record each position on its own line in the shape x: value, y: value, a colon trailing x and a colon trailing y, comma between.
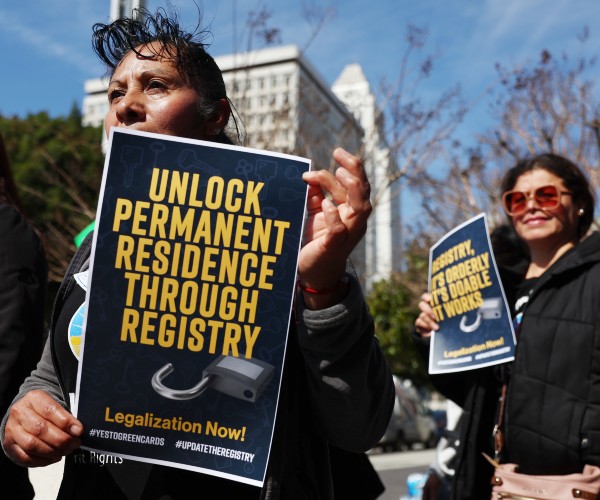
x: 441, y: 421
x: 411, y: 422
x: 439, y: 477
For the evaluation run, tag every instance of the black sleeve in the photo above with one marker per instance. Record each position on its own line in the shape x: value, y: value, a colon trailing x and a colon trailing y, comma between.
x: 23, y: 272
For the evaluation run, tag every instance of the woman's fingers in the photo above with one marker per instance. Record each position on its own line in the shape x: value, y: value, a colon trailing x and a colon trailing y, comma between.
x: 40, y: 431
x: 426, y: 321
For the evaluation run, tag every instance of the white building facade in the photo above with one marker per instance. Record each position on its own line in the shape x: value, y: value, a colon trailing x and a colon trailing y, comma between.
x: 284, y: 105
x: 384, y: 236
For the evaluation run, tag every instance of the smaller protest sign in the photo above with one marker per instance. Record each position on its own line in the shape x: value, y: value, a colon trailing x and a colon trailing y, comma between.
x: 468, y: 301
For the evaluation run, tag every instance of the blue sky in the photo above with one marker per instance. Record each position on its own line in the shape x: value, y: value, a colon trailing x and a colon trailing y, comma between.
x: 46, y: 53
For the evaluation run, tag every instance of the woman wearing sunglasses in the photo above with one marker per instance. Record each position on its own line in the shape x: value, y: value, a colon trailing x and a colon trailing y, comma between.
x: 552, y: 410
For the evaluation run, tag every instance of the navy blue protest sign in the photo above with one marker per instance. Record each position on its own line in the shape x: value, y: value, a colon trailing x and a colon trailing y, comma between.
x: 188, y: 304
x: 468, y: 301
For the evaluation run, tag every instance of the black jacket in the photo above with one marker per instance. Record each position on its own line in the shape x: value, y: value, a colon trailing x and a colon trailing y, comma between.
x: 553, y: 406
x: 23, y: 272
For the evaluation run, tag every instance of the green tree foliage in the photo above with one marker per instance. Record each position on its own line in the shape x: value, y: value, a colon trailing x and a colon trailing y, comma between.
x: 393, y: 306
x: 57, y: 165
x: 393, y: 303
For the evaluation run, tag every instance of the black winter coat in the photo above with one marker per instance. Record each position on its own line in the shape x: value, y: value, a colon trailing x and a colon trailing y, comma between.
x: 23, y: 271
x: 553, y: 406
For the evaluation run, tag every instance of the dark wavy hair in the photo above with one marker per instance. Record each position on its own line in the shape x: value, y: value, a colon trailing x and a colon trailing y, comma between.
x: 112, y: 42
x: 572, y: 176
x: 8, y: 188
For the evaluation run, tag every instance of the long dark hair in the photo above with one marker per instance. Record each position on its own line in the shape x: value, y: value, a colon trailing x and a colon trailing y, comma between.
x: 112, y: 42
x: 572, y: 176
x: 8, y: 188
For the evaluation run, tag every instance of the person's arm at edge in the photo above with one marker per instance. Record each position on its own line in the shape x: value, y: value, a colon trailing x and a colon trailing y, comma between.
x: 43, y: 379
x: 349, y: 380
x: 14, y: 251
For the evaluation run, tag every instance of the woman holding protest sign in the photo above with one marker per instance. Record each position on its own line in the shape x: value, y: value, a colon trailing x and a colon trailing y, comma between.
x: 551, y: 417
x: 337, y: 390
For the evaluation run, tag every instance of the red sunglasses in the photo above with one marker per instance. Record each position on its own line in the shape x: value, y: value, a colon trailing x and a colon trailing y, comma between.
x: 545, y: 197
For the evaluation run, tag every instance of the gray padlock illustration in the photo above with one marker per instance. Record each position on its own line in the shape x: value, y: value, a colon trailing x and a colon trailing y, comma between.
x: 241, y: 378
x: 490, y: 309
